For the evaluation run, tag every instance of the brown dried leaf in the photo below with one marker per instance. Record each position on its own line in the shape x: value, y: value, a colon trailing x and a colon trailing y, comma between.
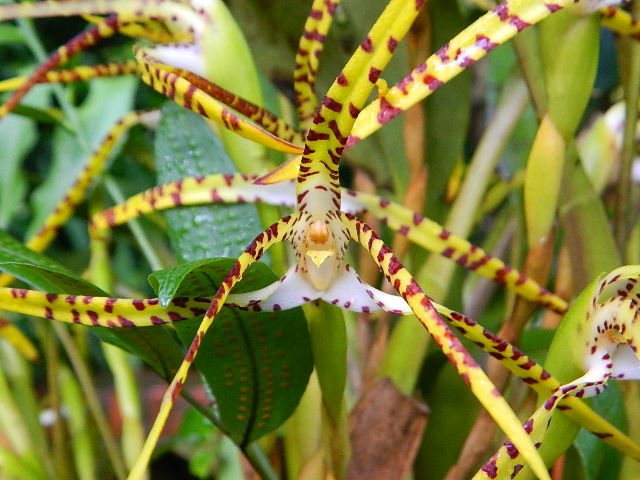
x: 386, y: 428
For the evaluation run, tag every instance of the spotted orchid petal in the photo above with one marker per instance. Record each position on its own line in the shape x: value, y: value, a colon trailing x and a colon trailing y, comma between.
x: 290, y: 291
x: 473, y: 43
x: 177, y: 16
x: 350, y: 292
x: 423, y: 308
x: 99, y: 311
x: 184, y: 88
x: 605, y: 348
x: 620, y: 21
x: 227, y: 188
x: 308, y: 56
x: 420, y: 230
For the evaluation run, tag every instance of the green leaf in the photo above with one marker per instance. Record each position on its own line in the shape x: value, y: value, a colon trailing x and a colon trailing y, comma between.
x: 201, y: 278
x: 18, y: 135
x: 600, y: 460
x: 564, y: 362
x: 40, y: 271
x: 191, y: 150
x: 256, y: 364
x: 156, y: 346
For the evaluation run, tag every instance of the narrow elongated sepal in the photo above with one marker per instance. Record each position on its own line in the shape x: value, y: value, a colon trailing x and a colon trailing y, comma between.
x: 466, y: 48
x: 77, y: 74
x: 218, y: 188
x: 308, y: 56
x: 620, y: 21
x: 274, y: 234
x: 99, y: 311
x: 426, y: 313
x: 435, y: 238
x: 181, y: 90
x: 318, y: 187
x: 176, y: 15
x: 102, y: 30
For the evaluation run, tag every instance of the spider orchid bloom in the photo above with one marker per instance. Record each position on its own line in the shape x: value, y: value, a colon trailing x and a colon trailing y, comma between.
x: 602, y: 331
x: 320, y: 273
x: 319, y: 232
x: 610, y: 332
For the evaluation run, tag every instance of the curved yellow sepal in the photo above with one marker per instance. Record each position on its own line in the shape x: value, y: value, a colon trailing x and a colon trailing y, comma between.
x: 287, y: 171
x: 20, y: 342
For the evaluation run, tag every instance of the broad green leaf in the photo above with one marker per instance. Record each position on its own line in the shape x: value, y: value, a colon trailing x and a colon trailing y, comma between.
x: 569, y: 45
x: 185, y: 146
x: 156, y: 346
x: 600, y: 460
x: 256, y: 364
x: 201, y: 278
x: 563, y: 362
x: 586, y: 228
x: 18, y: 135
x: 40, y: 271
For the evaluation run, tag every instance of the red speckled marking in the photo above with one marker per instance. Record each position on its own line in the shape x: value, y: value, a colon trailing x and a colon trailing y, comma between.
x: 392, y: 44
x: 374, y: 74
x: 387, y: 111
x: 432, y: 82
x: 367, y: 45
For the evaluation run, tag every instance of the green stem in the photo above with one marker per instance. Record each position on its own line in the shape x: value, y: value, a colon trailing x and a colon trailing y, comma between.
x: 141, y: 237
x: 624, y: 213
x: 259, y: 461
x: 92, y: 399
x: 19, y: 373
x: 436, y: 273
